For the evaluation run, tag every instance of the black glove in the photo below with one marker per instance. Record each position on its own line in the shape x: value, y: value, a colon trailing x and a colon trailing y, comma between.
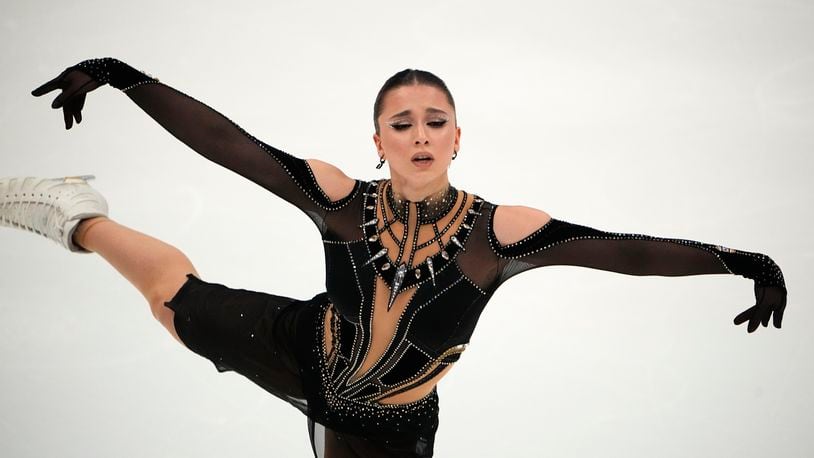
x: 79, y: 79
x: 770, y: 287
x: 560, y: 242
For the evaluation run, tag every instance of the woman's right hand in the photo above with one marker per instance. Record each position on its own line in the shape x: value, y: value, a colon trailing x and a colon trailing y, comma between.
x: 74, y: 84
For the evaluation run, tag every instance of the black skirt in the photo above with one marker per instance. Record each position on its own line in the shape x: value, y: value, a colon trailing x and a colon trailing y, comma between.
x: 276, y: 342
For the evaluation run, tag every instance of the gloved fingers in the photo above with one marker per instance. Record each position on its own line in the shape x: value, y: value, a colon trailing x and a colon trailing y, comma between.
x: 778, y: 314
x: 49, y: 86
x: 766, y: 316
x: 754, y: 321
x: 80, y: 103
x: 74, y: 107
x: 752, y: 314
x: 72, y: 91
x: 745, y: 315
x: 58, y: 101
x: 761, y: 309
x: 66, y: 114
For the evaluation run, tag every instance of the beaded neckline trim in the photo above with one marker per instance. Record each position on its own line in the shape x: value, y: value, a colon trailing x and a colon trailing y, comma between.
x: 397, y: 276
x: 430, y: 209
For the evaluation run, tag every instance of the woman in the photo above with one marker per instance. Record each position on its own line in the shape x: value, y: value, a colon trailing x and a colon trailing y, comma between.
x: 411, y: 261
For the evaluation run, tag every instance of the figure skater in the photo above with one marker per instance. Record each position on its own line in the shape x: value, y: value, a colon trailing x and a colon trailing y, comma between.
x: 411, y: 261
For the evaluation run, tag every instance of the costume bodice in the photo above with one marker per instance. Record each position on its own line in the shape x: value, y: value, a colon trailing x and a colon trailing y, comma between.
x: 400, y: 323
x: 401, y: 318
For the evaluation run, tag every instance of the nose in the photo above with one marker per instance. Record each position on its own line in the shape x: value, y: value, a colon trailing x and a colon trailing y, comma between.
x: 421, y: 135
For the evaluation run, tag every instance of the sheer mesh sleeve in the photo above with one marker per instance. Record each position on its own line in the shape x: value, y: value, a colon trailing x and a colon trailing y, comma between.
x: 217, y: 138
x: 562, y: 243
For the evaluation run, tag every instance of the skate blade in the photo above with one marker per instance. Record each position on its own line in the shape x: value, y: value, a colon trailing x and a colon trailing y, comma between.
x: 78, y: 178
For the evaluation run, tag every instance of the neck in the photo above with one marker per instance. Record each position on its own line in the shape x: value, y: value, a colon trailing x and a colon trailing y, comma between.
x: 404, y: 190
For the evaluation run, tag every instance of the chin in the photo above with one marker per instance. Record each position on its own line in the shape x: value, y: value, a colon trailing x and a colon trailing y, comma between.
x: 421, y: 176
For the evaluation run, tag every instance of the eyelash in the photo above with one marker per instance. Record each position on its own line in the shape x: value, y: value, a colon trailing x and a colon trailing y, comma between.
x: 436, y: 124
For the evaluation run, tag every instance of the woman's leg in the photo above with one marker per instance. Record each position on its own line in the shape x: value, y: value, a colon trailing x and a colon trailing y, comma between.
x: 155, y: 268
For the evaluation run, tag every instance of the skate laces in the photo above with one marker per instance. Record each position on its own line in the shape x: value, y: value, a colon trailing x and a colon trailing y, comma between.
x: 35, y: 209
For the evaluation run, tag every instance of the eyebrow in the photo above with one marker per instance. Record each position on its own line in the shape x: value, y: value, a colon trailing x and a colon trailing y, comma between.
x: 428, y: 110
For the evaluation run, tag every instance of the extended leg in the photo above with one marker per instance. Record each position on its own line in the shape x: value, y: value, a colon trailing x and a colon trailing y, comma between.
x: 72, y: 213
x: 154, y: 267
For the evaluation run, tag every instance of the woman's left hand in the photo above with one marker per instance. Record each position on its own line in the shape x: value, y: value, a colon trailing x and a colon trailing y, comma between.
x: 770, y: 299
x: 75, y: 84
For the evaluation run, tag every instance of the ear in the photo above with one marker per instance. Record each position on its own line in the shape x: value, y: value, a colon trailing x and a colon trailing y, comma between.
x: 458, y: 138
x: 377, y: 140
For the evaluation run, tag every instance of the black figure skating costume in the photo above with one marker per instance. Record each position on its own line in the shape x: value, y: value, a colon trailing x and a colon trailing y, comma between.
x: 324, y: 355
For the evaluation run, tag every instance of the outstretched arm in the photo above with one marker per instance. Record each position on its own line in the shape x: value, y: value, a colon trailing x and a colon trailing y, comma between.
x: 209, y: 133
x: 557, y: 242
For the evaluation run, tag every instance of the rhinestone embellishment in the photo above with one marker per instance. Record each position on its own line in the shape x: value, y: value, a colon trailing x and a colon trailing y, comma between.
x: 454, y: 240
x: 373, y: 221
x: 376, y: 256
x: 430, y: 209
x: 397, y: 280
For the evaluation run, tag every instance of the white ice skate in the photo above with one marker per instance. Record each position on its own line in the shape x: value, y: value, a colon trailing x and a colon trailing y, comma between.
x: 52, y: 207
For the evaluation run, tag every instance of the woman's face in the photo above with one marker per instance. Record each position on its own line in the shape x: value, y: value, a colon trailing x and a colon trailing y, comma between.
x: 417, y: 120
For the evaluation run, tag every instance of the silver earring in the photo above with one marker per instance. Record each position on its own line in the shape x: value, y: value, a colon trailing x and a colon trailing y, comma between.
x: 454, y: 155
x: 381, y: 163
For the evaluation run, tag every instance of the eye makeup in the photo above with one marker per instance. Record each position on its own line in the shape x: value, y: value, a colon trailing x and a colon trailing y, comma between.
x: 406, y: 125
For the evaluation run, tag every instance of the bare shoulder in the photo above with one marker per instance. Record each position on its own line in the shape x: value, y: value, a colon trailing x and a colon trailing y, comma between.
x: 513, y: 223
x: 331, y: 179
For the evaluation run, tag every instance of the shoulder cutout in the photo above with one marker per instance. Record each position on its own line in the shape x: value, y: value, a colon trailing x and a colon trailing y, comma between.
x: 334, y: 183
x: 513, y: 223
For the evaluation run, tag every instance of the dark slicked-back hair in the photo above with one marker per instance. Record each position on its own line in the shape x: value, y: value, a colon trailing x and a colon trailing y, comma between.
x: 407, y: 77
